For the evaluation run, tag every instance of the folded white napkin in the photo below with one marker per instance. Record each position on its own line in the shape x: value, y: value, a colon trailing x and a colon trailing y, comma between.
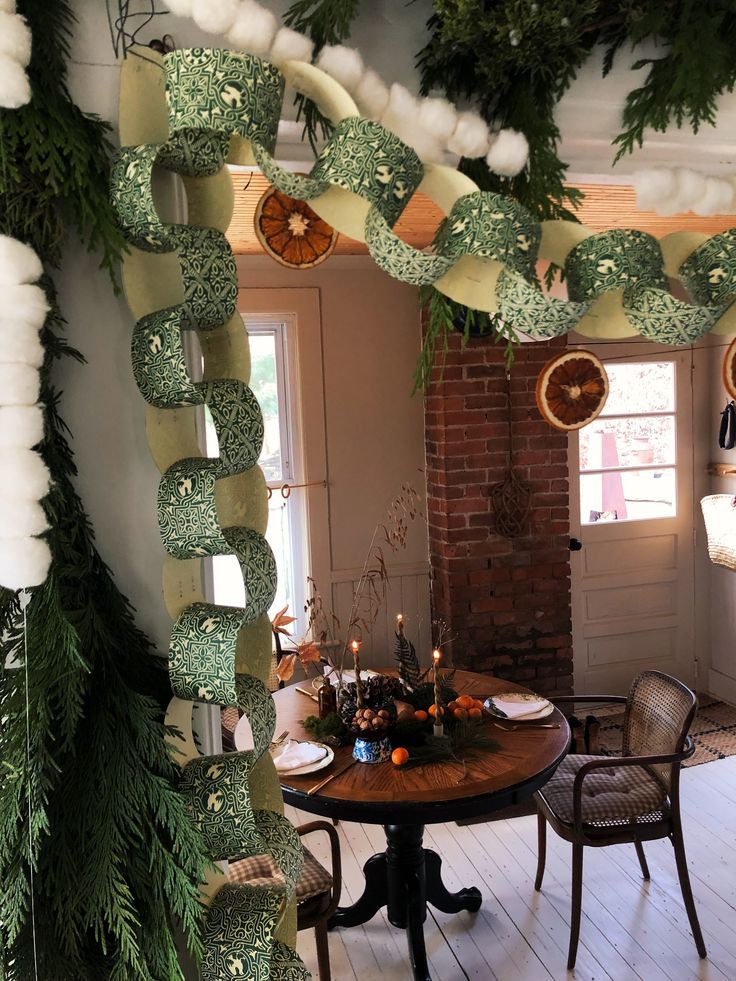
x: 293, y: 754
x: 518, y: 710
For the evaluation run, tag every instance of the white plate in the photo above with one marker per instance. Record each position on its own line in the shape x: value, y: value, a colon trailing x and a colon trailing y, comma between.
x: 541, y: 714
x: 310, y: 767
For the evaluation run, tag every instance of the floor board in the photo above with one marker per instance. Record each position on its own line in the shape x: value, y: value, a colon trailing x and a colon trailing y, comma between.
x: 631, y: 930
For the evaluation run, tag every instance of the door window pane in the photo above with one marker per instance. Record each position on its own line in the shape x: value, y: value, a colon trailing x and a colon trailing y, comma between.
x: 628, y: 455
x: 635, y: 441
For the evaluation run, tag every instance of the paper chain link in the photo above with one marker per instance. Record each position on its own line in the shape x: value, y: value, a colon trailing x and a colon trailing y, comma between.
x: 221, y: 791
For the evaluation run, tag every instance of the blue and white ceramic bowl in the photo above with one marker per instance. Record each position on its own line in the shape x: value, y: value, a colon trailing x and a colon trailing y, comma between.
x: 372, y: 751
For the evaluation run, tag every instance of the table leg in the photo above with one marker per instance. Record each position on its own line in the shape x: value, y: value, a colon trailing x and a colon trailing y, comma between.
x: 439, y: 895
x: 374, y: 896
x: 404, y: 879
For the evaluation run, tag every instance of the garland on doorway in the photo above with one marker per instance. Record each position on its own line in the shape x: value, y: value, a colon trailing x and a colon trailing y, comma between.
x: 95, y: 844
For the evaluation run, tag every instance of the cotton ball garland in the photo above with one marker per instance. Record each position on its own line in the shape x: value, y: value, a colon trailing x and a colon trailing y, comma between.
x: 21, y: 426
x: 509, y: 153
x: 471, y: 137
x: 20, y: 344
x: 15, y: 38
x: 23, y: 475
x: 401, y: 116
x: 19, y: 384
x: 25, y: 303
x: 343, y: 64
x: 290, y: 45
x: 18, y: 262
x: 20, y: 519
x: 15, y: 89
x: 254, y: 28
x: 372, y: 95
x: 24, y: 562
x: 690, y: 187
x: 438, y: 117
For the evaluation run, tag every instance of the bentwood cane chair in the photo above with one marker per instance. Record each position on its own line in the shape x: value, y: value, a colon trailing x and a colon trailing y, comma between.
x: 598, y: 800
x: 317, y: 891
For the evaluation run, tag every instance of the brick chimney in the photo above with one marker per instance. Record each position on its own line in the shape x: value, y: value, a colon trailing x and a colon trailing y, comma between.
x: 505, y: 601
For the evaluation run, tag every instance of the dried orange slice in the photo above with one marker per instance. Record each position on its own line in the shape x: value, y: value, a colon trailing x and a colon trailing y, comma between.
x: 291, y: 232
x: 729, y: 369
x: 572, y: 389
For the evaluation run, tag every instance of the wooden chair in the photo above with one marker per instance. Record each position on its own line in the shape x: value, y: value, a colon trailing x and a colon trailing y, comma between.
x: 598, y: 800
x: 317, y: 891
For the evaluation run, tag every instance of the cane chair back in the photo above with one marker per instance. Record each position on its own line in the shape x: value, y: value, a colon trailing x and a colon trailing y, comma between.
x: 659, y: 712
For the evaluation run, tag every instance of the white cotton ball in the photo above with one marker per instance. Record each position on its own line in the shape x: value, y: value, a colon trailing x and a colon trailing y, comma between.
x: 471, y: 137
x: 25, y: 304
x: 7, y: 6
x: 718, y: 198
x: 372, y: 95
x: 438, y: 117
x: 21, y: 426
x: 343, y: 64
x: 18, y: 262
x: 254, y: 28
x: 290, y: 45
x: 21, y: 519
x: 15, y: 38
x: 509, y: 153
x: 15, y: 89
x: 652, y: 185
x: 690, y: 187
x: 19, y: 384
x: 19, y: 344
x: 215, y: 16
x: 24, y: 562
x: 181, y: 8
x: 401, y: 111
x: 23, y: 475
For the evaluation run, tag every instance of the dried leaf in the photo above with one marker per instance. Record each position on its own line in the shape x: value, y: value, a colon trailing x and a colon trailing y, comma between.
x: 285, y: 667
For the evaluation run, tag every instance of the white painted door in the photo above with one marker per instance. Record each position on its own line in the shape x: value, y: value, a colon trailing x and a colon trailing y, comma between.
x: 631, y: 507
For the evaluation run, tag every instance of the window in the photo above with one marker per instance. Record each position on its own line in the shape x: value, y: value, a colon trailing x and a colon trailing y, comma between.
x: 628, y: 455
x: 274, y: 381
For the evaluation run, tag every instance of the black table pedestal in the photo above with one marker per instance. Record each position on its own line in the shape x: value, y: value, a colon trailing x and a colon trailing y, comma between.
x: 404, y: 879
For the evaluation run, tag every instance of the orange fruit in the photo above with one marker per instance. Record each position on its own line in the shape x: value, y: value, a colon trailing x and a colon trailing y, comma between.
x: 461, y: 714
x: 475, y: 713
x: 399, y: 756
x: 465, y: 701
x: 433, y: 710
x: 572, y: 389
x: 291, y: 232
x: 420, y: 715
x: 452, y: 705
x: 729, y: 369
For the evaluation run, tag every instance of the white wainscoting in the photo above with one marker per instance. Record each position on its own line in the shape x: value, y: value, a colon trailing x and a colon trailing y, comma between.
x: 407, y: 592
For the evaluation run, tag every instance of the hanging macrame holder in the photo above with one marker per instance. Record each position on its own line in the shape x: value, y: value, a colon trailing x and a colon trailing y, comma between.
x: 511, y: 498
x: 719, y: 512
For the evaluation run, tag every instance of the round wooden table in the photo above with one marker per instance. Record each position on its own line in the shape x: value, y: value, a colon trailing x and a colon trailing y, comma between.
x: 407, y: 876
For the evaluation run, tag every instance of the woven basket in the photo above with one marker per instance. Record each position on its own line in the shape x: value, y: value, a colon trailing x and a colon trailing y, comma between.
x: 719, y: 512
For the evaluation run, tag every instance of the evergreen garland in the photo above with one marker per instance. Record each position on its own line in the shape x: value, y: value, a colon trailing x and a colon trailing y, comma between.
x: 89, y: 816
x: 326, y: 22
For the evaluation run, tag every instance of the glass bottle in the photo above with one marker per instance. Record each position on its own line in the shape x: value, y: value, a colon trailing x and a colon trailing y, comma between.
x: 326, y: 698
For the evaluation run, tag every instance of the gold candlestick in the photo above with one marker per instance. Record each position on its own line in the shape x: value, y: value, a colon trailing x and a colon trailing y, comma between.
x: 355, y: 648
x: 439, y: 729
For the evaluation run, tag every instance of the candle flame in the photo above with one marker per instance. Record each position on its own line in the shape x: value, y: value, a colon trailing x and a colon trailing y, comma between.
x: 436, y: 655
x: 399, y: 617
x: 355, y: 646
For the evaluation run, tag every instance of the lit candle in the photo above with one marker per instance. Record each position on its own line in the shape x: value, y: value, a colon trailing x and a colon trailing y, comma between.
x: 400, y: 624
x: 355, y: 648
x: 438, y: 727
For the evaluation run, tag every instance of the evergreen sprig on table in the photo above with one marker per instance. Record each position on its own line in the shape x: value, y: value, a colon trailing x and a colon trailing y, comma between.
x: 98, y: 858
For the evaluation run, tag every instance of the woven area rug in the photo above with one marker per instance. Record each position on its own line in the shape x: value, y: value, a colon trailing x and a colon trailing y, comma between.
x: 713, y: 731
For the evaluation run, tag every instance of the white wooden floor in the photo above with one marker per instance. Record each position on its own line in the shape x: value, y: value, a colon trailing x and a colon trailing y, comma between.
x: 630, y: 929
